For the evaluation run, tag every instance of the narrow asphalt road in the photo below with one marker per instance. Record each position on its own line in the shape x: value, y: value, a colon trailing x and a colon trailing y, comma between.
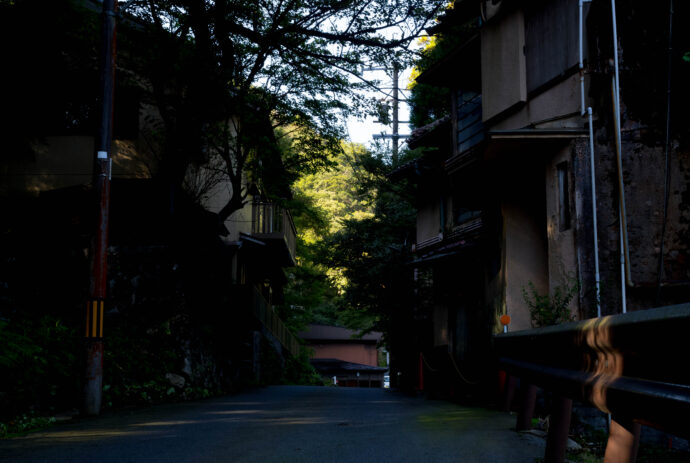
x: 285, y: 424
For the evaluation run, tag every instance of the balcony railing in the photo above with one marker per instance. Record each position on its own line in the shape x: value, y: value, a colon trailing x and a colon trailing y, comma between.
x: 263, y: 312
x: 274, y: 223
x: 469, y: 231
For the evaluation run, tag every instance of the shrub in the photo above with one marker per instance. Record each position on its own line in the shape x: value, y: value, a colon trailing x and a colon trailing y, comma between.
x: 38, y: 366
x: 545, y: 309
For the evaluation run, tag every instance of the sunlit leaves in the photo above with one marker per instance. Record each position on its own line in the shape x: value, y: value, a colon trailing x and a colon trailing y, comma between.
x: 290, y: 60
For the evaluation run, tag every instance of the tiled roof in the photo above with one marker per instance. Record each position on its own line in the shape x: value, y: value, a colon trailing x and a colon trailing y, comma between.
x: 336, y: 333
x: 330, y: 366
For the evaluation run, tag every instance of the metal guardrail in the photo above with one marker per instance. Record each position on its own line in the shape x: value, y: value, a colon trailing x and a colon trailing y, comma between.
x: 268, y: 318
x: 634, y: 365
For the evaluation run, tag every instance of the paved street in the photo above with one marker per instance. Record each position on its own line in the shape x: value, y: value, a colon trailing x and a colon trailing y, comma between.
x: 285, y: 424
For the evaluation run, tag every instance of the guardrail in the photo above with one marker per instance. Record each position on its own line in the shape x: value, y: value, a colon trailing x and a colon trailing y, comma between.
x: 268, y: 318
x: 634, y: 366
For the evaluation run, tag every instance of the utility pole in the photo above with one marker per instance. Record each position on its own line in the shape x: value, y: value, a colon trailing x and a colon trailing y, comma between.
x: 95, y: 307
x: 395, y: 114
x: 395, y: 136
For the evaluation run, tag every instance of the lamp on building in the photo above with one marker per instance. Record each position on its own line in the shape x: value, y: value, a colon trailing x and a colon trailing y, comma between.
x: 505, y: 321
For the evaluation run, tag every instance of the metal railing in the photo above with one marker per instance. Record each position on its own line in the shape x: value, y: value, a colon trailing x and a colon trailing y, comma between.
x: 467, y: 230
x: 272, y: 322
x: 633, y: 366
x: 270, y: 219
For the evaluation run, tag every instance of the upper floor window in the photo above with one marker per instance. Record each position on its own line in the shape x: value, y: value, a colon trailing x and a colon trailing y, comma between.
x: 551, y: 41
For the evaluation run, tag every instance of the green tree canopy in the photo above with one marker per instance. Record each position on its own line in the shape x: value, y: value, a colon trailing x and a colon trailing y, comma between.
x: 323, y: 202
x: 370, y: 253
x: 223, y: 71
x: 430, y: 102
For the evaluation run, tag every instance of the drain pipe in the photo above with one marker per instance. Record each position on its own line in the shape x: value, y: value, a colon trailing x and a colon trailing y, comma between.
x: 591, y: 159
x: 621, y: 210
x: 624, y: 302
x: 617, y: 123
x: 582, y: 67
x: 594, y: 211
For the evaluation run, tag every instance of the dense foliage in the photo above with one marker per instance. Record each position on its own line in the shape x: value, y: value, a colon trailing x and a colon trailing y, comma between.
x: 322, y: 204
x: 372, y: 253
x: 244, y: 68
x: 431, y: 102
x: 356, y: 229
x: 38, y: 365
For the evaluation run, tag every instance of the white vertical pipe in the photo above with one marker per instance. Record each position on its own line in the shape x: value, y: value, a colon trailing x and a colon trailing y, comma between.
x: 582, y: 67
x: 594, y: 211
x: 615, y: 63
x: 624, y: 302
x: 591, y: 157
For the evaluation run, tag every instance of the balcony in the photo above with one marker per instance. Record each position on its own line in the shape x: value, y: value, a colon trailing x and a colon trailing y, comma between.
x: 273, y: 225
x: 466, y: 231
x: 264, y: 313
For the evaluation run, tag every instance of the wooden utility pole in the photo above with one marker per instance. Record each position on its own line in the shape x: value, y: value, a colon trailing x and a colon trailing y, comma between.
x: 395, y: 114
x: 95, y: 307
x: 395, y: 119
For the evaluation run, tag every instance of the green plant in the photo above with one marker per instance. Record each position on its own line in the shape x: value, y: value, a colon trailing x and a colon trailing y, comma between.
x: 545, y: 309
x: 23, y: 424
x: 298, y: 370
x: 37, y: 365
x: 138, y: 358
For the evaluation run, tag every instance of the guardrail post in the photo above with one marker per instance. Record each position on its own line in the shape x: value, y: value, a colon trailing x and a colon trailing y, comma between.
x: 509, y: 393
x: 557, y: 439
x: 528, y: 398
x: 256, y: 355
x: 624, y: 439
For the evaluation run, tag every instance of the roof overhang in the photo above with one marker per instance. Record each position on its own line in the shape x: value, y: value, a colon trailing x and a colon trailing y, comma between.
x: 536, y: 134
x: 434, y: 135
x: 269, y: 248
x: 501, y: 142
x: 433, y: 258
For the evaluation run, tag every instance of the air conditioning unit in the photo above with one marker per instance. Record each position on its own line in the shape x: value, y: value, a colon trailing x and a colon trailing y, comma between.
x: 490, y: 8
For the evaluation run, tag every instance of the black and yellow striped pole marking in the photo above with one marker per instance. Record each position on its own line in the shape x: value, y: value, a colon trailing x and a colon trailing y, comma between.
x: 94, y: 319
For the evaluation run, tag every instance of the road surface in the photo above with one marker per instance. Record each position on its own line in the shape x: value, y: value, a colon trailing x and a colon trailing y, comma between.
x: 284, y: 424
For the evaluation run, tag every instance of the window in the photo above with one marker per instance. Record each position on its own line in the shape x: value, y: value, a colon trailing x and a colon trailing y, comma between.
x: 563, y: 197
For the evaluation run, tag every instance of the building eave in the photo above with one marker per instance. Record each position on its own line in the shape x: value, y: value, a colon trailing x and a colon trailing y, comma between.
x: 537, y: 134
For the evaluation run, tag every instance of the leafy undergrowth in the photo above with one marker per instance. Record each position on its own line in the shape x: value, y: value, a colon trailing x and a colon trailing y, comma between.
x: 24, y: 424
x: 38, y: 372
